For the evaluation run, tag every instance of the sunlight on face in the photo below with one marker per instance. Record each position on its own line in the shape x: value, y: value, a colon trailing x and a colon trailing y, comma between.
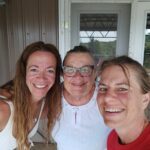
x: 119, y: 99
x: 78, y: 85
x: 40, y: 73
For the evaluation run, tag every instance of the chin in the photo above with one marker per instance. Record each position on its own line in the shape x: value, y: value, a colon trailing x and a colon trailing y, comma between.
x: 38, y: 98
x: 111, y: 123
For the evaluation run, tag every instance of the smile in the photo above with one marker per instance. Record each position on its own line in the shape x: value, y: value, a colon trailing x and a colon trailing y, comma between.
x: 39, y: 86
x: 113, y: 110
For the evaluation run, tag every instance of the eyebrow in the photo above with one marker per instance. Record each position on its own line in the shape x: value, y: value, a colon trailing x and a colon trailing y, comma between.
x: 32, y: 66
x: 79, y: 67
x: 101, y: 84
x: 38, y: 67
x: 118, y: 84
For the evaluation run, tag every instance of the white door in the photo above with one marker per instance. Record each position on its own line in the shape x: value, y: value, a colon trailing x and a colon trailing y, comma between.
x: 102, y: 27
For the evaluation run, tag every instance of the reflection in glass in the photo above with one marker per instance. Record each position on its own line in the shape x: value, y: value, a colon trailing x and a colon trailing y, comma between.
x: 99, y: 33
x: 147, y: 45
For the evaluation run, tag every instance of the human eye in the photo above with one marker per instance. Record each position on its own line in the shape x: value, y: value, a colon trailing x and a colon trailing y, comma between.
x: 68, y: 69
x: 85, y: 69
x: 102, y: 89
x: 123, y: 89
x: 51, y: 70
x: 32, y: 70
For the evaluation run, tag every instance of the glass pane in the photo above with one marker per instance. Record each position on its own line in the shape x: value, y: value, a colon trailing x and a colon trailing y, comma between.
x: 99, y: 33
x: 147, y: 45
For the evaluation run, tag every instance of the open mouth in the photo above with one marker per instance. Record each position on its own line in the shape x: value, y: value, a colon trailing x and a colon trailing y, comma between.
x: 39, y: 86
x: 113, y: 110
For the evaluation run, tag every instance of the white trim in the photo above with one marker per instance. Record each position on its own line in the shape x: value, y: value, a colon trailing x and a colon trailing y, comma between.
x: 61, y: 27
x: 100, y: 1
x: 65, y: 20
x: 123, y: 26
x: 137, y: 34
x: 137, y: 25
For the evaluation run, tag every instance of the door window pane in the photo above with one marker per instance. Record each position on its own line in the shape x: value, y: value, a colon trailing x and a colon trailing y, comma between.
x: 99, y: 33
x: 147, y: 45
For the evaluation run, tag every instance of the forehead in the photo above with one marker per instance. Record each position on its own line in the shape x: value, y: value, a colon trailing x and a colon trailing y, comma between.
x: 79, y: 59
x: 116, y: 74
x: 41, y: 57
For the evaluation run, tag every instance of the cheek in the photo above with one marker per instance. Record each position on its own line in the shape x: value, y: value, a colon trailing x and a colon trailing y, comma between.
x: 100, y: 99
x: 123, y: 96
x: 99, y: 95
x: 119, y: 97
x: 28, y: 79
x: 101, y: 104
x: 52, y: 80
x: 68, y: 80
x: 90, y: 81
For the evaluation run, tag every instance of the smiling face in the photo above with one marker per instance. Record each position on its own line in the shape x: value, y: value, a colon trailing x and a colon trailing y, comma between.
x: 40, y: 73
x: 78, y: 86
x: 120, y: 100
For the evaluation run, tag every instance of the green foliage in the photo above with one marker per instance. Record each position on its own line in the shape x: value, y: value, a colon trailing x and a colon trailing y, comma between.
x: 102, y: 50
x: 147, y: 52
x: 105, y: 50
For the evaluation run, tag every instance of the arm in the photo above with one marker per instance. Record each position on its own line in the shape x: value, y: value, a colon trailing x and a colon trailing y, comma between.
x: 4, y: 114
x: 7, y: 90
x: 5, y: 94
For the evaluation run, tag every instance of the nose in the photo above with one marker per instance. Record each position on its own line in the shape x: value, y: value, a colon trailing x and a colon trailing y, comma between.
x: 77, y: 74
x: 42, y: 75
x: 109, y: 96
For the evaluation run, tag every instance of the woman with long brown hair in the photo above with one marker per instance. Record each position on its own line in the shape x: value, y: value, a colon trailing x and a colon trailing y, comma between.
x: 36, y: 92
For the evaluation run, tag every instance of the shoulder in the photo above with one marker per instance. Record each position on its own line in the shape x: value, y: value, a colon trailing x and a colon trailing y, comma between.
x: 4, y: 93
x: 4, y: 113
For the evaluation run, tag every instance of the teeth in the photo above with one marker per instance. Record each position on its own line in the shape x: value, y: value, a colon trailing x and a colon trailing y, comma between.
x: 40, y: 86
x: 113, y: 110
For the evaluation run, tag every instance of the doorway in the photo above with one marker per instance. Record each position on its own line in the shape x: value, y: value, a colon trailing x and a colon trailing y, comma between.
x: 102, y: 27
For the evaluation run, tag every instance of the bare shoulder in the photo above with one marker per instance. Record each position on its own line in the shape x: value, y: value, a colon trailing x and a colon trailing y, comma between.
x: 4, y: 113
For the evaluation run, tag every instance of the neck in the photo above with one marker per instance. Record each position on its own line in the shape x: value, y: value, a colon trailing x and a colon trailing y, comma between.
x: 134, y: 130
x: 36, y: 107
x: 76, y: 100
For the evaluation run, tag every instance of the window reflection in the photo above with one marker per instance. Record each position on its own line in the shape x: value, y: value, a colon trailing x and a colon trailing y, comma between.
x: 147, y: 45
x: 99, y: 33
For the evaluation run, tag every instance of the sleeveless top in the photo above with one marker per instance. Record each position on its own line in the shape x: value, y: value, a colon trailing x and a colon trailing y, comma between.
x: 7, y: 140
x: 80, y: 127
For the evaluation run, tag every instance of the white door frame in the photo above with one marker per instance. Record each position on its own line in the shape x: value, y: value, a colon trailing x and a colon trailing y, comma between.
x: 137, y: 25
x: 137, y: 34
x: 123, y: 26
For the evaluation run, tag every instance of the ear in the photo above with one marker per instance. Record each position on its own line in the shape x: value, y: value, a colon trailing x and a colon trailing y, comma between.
x: 146, y: 100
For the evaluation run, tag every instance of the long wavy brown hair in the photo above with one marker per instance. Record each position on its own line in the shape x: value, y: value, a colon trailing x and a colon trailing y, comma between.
x: 22, y: 96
